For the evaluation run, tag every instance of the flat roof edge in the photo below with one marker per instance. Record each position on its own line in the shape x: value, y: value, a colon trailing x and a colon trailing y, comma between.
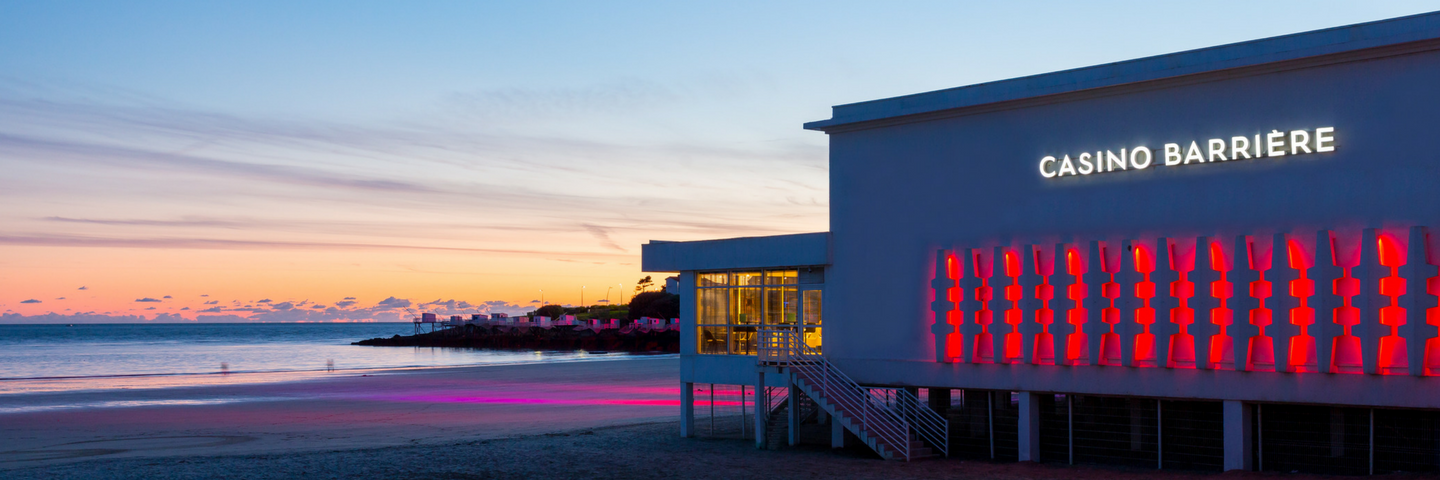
x: 802, y: 249
x: 1335, y: 40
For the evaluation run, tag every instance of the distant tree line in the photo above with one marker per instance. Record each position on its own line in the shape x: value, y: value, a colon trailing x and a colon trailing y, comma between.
x: 645, y: 303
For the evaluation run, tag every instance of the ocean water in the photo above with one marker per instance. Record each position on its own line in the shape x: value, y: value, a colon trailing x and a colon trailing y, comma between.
x: 59, y: 358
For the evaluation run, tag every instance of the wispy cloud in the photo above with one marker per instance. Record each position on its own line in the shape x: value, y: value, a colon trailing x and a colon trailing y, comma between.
x: 528, y: 175
x: 30, y: 301
x: 147, y: 300
x: 223, y: 244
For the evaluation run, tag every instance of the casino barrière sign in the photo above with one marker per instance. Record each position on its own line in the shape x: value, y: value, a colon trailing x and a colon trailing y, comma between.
x: 1214, y: 150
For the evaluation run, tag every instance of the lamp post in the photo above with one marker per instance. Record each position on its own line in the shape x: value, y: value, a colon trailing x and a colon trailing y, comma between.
x: 542, y: 297
x: 607, y: 294
x: 622, y: 293
x: 582, y: 296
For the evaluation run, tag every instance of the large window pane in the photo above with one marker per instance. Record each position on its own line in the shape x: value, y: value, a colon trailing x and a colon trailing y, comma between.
x: 812, y: 337
x: 713, y: 340
x: 745, y: 306
x: 712, y: 279
x: 746, y: 279
x: 780, y: 277
x: 712, y: 308
x: 812, y: 307
x: 781, y: 305
x: 742, y: 340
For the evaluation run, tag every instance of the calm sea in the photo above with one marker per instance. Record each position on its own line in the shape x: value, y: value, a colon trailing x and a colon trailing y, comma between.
x: 57, y: 358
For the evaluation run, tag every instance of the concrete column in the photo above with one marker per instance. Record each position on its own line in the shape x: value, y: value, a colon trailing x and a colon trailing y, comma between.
x: 760, y: 412
x: 1237, y: 436
x: 837, y: 433
x: 687, y: 409
x: 1029, y: 427
x: 794, y: 415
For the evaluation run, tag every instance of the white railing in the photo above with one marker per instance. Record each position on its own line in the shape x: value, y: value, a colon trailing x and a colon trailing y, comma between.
x: 887, y: 415
x: 928, y: 425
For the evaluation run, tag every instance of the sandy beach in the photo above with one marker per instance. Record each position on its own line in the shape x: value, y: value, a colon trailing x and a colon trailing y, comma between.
x: 604, y: 419
x: 352, y: 410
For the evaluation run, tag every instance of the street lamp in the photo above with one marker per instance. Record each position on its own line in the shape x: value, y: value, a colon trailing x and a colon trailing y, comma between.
x: 607, y: 294
x: 622, y: 293
x: 542, y: 297
x: 582, y: 296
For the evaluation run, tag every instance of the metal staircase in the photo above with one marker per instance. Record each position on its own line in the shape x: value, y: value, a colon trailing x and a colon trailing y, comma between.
x: 891, y: 421
x: 777, y: 424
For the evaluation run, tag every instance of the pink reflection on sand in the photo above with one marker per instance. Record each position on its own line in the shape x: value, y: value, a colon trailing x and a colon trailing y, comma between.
x: 540, y: 401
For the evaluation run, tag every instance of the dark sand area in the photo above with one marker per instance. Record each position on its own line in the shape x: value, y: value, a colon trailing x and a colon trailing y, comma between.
x: 650, y: 450
x: 611, y: 419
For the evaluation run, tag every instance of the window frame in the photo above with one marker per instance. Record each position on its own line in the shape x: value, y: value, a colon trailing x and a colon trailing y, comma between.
x: 739, y: 338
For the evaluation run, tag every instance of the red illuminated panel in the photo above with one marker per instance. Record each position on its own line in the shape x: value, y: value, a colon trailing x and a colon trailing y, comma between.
x: 1076, y: 351
x: 1302, y: 346
x: 1393, y: 360
x: 1182, y: 344
x: 1262, y: 346
x: 1014, y: 341
x: 1346, y: 356
x: 1044, y: 353
x: 1432, y: 317
x: 984, y: 350
x: 1145, y: 314
x: 954, y: 343
x: 1222, y: 347
x: 1109, y: 341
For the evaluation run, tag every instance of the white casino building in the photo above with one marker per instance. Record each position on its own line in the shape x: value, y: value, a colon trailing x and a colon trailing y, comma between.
x: 1215, y: 259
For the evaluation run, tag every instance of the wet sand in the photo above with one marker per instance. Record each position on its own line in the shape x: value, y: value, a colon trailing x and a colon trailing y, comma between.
x: 347, y: 411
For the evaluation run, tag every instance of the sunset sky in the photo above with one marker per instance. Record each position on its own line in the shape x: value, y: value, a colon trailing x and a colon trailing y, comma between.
x: 317, y: 161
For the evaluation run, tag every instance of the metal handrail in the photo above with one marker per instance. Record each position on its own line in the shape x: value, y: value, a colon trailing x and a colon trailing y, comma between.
x: 889, y: 415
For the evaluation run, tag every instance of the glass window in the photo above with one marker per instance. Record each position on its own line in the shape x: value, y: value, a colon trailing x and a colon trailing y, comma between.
x: 812, y: 337
x: 812, y: 307
x: 746, y: 278
x: 713, y: 340
x: 731, y: 307
x: 745, y: 306
x: 711, y: 309
x: 742, y: 340
x: 780, y: 277
x: 781, y: 305
x: 712, y: 279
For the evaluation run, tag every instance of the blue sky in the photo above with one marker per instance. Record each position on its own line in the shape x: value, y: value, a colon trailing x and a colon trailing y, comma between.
x: 482, y: 151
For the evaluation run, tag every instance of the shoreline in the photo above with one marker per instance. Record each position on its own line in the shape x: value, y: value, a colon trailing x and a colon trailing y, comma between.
x: 156, y: 380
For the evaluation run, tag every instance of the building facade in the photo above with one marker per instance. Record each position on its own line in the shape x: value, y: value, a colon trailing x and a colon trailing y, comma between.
x: 1223, y: 258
